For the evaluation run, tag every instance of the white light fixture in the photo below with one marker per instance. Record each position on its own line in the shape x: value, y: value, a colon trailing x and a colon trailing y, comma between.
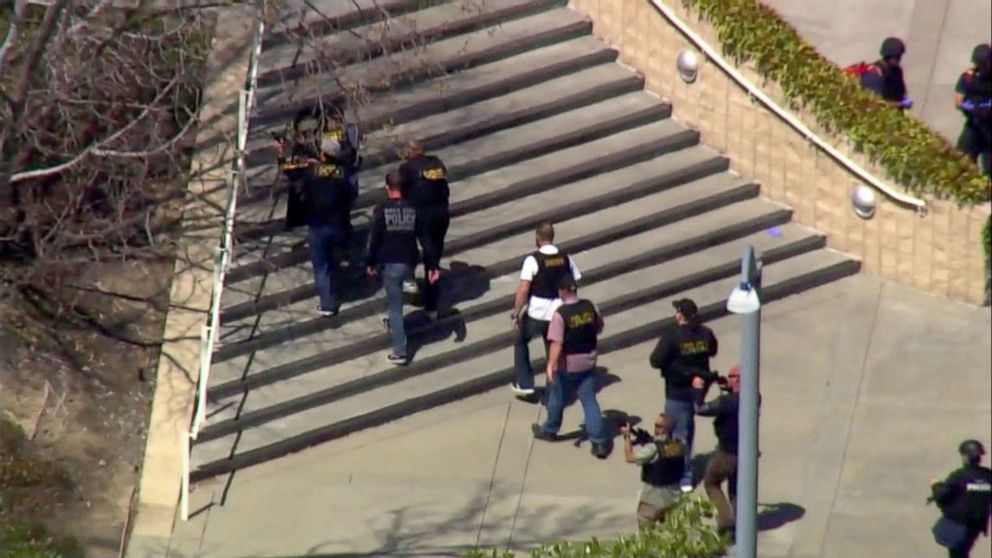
x: 864, y: 200
x: 743, y: 300
x: 687, y: 64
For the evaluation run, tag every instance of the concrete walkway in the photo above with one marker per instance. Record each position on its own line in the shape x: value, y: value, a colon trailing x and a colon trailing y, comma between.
x: 939, y: 36
x: 868, y: 388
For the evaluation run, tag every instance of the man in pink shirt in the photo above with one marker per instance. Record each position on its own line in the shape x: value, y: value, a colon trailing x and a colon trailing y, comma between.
x: 571, y: 367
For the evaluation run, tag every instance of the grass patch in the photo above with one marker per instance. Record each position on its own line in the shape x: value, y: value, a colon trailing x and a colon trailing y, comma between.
x: 29, y: 491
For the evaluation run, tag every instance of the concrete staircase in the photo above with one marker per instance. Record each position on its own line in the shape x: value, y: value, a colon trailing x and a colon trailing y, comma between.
x: 537, y: 122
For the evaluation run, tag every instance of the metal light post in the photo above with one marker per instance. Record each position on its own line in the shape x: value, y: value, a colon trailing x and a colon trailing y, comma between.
x: 745, y: 300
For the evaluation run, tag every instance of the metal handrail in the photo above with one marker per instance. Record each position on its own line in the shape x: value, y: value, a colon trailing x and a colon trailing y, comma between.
x: 208, y: 334
x: 785, y: 115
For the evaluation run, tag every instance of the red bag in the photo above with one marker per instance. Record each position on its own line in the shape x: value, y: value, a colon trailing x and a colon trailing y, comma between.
x: 859, y: 69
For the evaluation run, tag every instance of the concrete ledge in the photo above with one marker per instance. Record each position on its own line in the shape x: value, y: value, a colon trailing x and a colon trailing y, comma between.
x: 178, y: 366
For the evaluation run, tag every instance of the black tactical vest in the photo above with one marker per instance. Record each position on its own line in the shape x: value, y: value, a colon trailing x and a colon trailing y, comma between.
x: 580, y: 327
x: 667, y: 469
x: 550, y: 268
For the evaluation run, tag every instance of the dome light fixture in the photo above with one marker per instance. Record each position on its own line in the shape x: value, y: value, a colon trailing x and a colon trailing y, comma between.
x: 687, y: 64
x: 864, y: 200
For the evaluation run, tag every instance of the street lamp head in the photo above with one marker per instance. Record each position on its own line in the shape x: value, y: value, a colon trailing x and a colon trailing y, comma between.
x: 743, y: 300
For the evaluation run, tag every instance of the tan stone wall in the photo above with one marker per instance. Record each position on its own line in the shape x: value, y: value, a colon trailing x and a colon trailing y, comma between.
x: 940, y: 252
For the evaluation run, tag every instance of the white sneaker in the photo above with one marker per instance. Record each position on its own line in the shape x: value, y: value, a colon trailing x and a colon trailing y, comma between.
x: 521, y: 390
x: 686, y: 487
x: 410, y: 287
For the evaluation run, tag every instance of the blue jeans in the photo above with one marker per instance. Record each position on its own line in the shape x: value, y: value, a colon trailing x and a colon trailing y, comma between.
x: 393, y: 275
x: 529, y: 328
x: 561, y: 390
x: 683, y: 413
x: 323, y: 241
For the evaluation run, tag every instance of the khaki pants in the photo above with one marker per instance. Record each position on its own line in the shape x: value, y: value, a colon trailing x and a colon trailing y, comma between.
x: 721, y: 466
x: 656, y: 503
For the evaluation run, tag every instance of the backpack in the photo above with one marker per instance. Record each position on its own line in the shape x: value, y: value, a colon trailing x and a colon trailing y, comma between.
x: 859, y: 69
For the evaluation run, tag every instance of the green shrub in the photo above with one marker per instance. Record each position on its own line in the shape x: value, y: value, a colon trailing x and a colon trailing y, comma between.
x: 24, y: 485
x: 987, y: 243
x: 682, y: 535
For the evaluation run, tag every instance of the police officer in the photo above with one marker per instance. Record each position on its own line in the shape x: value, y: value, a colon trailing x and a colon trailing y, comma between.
x: 722, y: 465
x: 974, y: 100
x: 425, y: 186
x: 393, y: 254
x: 539, y: 278
x: 964, y: 499
x: 885, y: 75
x: 327, y: 122
x: 572, y: 335
x: 323, y: 202
x: 662, y: 461
x: 684, y: 353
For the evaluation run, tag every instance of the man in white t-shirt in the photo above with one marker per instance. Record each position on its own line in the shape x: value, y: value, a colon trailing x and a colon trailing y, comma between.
x: 538, y: 290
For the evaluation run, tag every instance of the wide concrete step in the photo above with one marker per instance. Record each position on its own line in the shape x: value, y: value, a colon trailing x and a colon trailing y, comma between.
x: 497, y: 258
x: 519, y: 215
x: 478, y: 334
x: 531, y: 175
x: 633, y: 321
x: 314, y: 53
x: 467, y: 86
x: 526, y: 105
x: 300, y: 18
x: 437, y: 58
x: 694, y: 233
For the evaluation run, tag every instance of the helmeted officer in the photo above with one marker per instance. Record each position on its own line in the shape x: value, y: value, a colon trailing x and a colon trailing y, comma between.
x: 885, y: 76
x: 425, y: 187
x: 327, y: 122
x: 974, y: 99
x: 682, y: 354
x: 965, y: 500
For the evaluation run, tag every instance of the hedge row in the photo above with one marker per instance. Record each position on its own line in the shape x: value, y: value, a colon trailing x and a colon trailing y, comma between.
x: 913, y: 155
x: 685, y: 533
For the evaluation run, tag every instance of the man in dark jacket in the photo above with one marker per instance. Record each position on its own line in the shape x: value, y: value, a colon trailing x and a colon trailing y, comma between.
x: 885, y: 78
x: 965, y: 500
x: 722, y: 465
x: 425, y: 187
x: 974, y: 99
x: 662, y: 461
x: 393, y: 253
x: 325, y: 207
x: 684, y: 353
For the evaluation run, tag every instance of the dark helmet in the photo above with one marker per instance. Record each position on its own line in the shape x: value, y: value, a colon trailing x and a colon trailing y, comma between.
x: 971, y: 449
x: 892, y: 48
x: 982, y: 55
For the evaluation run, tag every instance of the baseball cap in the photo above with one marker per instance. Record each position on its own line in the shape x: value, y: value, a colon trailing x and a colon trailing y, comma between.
x: 687, y: 307
x: 971, y: 448
x: 892, y: 48
x: 567, y: 282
